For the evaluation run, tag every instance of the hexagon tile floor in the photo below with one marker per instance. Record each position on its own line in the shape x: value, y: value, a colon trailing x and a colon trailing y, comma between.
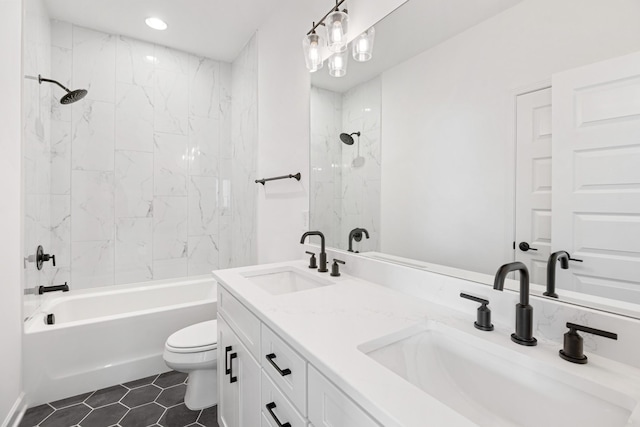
x: 153, y: 401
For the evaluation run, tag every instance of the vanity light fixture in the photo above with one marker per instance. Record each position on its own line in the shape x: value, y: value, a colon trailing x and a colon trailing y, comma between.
x: 338, y: 64
x: 337, y: 27
x: 362, y: 46
x: 313, y: 43
x: 156, y: 23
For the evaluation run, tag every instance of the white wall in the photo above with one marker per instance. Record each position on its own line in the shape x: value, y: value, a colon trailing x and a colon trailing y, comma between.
x: 283, y: 120
x: 447, y: 124
x: 10, y: 209
x: 244, y: 131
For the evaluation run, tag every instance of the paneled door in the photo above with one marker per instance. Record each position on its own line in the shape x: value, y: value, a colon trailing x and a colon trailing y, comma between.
x: 596, y: 177
x: 533, y: 182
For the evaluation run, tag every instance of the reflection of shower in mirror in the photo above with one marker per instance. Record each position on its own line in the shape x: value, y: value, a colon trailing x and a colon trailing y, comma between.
x: 348, y: 140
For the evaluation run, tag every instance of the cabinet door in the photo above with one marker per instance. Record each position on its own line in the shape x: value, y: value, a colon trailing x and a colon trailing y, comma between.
x: 238, y: 381
x: 330, y: 407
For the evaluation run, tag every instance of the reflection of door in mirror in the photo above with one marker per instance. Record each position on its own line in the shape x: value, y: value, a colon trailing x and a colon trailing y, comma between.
x: 345, y: 178
x: 533, y: 182
x: 596, y: 177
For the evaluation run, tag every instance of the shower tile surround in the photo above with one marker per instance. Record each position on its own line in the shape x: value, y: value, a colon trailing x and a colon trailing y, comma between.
x: 345, y: 196
x: 135, y: 182
x: 155, y: 400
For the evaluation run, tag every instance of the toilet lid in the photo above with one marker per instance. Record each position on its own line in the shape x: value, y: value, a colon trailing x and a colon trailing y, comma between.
x: 199, y: 337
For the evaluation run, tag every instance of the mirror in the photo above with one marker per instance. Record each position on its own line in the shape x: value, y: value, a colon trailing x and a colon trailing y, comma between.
x: 440, y: 185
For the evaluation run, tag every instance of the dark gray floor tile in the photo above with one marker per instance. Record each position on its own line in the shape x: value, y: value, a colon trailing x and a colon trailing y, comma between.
x: 66, y: 417
x: 143, y: 416
x: 105, y: 416
x: 170, y: 378
x: 63, y: 403
x: 172, y: 396
x: 35, y: 415
x: 141, y: 395
x: 106, y: 396
x: 140, y: 382
x: 179, y: 416
x: 209, y: 417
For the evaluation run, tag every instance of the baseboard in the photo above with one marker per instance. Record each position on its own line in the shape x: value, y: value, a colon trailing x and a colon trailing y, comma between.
x: 16, y: 413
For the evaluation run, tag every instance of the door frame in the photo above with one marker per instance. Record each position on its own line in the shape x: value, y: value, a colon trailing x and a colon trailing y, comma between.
x: 510, y: 161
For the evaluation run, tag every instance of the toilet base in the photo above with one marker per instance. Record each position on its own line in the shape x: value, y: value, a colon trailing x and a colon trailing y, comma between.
x: 202, y: 389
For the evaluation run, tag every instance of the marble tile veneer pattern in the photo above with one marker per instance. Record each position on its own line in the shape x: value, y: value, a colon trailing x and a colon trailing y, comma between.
x: 145, y: 179
x: 343, y: 194
x: 153, y: 401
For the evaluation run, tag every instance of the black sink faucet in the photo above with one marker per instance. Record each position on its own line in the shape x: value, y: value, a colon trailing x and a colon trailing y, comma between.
x: 322, y: 257
x: 524, y: 312
x: 356, y: 234
x: 564, y: 258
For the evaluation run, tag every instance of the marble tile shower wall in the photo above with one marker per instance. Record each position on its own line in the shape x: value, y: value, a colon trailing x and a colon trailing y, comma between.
x: 36, y: 105
x: 141, y: 168
x: 326, y: 163
x: 361, y: 112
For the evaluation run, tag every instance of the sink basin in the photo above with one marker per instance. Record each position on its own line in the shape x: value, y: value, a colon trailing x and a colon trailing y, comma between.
x: 285, y: 280
x: 492, y: 385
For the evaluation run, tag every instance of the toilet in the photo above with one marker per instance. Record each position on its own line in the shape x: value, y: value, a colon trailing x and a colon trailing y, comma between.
x: 192, y: 350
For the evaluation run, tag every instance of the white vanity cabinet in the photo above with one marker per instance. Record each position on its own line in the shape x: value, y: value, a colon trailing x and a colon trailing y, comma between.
x: 276, y: 388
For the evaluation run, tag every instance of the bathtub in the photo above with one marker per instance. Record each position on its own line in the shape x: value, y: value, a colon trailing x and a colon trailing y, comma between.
x: 109, y: 335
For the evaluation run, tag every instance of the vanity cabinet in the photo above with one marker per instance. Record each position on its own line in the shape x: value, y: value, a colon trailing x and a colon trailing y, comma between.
x: 275, y: 384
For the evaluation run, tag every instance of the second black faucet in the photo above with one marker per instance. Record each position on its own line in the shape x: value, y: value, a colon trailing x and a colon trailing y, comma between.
x: 322, y: 257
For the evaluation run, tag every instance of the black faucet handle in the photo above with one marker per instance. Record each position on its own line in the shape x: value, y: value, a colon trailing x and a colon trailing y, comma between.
x: 573, y: 343
x: 483, y: 322
x: 575, y: 259
x: 312, y: 260
x: 473, y: 298
x: 335, y: 268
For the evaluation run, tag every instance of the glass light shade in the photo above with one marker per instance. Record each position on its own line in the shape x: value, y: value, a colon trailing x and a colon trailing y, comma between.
x: 362, y: 46
x: 337, y: 24
x: 338, y: 64
x: 312, y: 45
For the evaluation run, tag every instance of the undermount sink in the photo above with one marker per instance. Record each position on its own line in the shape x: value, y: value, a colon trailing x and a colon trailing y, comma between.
x: 492, y: 385
x: 284, y: 280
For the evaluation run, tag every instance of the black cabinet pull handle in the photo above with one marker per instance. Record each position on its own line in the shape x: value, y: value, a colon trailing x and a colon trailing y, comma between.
x: 232, y: 379
x: 227, y: 371
x: 524, y: 247
x: 270, y: 407
x: 283, y: 372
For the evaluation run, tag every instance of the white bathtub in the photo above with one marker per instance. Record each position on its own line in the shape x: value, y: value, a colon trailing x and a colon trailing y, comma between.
x: 110, y: 335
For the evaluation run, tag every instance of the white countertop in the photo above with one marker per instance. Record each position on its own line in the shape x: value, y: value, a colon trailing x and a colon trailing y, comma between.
x: 327, y: 324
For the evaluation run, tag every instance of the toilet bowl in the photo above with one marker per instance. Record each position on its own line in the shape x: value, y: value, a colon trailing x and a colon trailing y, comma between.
x: 192, y: 350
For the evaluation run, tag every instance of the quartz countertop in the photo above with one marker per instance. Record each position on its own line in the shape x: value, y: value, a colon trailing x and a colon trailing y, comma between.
x: 327, y: 324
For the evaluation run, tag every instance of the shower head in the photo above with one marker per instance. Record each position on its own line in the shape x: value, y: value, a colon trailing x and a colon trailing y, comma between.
x: 71, y: 96
x: 348, y: 138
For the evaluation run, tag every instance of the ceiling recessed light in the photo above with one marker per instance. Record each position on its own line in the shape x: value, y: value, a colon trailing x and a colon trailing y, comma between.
x: 156, y: 23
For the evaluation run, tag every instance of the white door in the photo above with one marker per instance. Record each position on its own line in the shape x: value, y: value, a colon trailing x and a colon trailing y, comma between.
x: 533, y: 182
x: 596, y: 177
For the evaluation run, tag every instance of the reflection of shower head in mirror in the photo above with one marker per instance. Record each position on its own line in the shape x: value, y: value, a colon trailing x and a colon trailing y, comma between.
x: 348, y: 138
x: 71, y: 96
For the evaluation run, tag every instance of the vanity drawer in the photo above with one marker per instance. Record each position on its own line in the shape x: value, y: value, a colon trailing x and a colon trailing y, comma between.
x: 241, y: 320
x: 275, y: 404
x: 285, y: 367
x: 329, y: 407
